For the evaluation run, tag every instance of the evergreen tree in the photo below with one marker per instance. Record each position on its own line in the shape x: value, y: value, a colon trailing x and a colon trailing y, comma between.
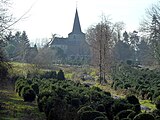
x: 123, y: 50
x: 143, y: 53
x: 155, y: 38
x: 134, y: 39
x: 24, y: 46
x: 126, y: 37
x: 60, y: 75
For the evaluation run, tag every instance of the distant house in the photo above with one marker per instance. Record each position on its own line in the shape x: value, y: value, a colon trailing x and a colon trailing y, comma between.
x: 75, y: 45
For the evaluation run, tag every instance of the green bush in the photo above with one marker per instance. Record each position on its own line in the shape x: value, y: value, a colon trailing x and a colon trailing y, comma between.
x: 100, y: 108
x: 29, y: 95
x: 84, y: 109
x: 19, y: 90
x: 75, y: 102
x: 121, y: 104
x: 144, y: 116
x: 24, y: 89
x: 132, y: 115
x: 42, y: 100
x: 157, y: 103
x: 123, y: 114
x: 58, y: 111
x: 134, y: 101
x: 60, y: 75
x: 29, y: 82
x: 91, y: 115
x: 41, y: 103
x: 35, y: 87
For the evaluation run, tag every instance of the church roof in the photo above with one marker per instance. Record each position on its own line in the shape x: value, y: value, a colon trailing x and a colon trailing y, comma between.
x: 59, y: 41
x: 63, y: 41
x: 76, y: 26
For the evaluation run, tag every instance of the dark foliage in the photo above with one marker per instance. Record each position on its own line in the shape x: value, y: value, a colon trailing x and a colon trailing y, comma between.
x: 144, y: 116
x: 49, y: 75
x: 60, y: 75
x: 35, y: 87
x: 29, y: 95
x: 158, y: 102
x: 91, y: 115
x: 123, y: 114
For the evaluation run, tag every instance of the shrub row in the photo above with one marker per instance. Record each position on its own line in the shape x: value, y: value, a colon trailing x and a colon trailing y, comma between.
x: 68, y: 100
x: 26, y: 89
x: 142, y: 82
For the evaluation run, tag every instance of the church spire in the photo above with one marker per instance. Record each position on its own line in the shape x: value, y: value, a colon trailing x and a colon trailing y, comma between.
x: 76, y: 26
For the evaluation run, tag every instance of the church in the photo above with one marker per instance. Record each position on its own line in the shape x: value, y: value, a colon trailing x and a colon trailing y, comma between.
x: 75, y: 45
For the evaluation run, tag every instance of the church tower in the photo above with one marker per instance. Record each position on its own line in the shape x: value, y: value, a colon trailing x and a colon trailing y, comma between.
x: 76, y: 34
x: 75, y: 45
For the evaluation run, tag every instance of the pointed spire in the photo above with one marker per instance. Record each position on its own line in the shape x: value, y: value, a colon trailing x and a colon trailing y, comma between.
x: 76, y: 25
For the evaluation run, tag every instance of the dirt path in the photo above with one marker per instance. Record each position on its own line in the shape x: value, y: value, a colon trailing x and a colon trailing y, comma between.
x: 12, y: 107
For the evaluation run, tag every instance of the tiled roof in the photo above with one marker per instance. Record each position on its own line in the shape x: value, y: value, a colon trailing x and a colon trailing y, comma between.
x: 76, y: 26
x: 59, y: 41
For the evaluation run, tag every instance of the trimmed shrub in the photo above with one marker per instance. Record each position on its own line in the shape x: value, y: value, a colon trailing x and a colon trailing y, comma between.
x: 157, y: 103
x: 91, y: 115
x: 144, y: 116
x: 29, y: 82
x: 60, y: 75
x: 20, y: 87
x: 132, y: 115
x: 120, y: 104
x: 75, y: 102
x: 134, y: 101
x: 58, y: 111
x: 23, y: 90
x: 41, y: 103
x: 100, y: 108
x: 29, y: 95
x: 84, y: 109
x: 123, y: 114
x: 35, y: 87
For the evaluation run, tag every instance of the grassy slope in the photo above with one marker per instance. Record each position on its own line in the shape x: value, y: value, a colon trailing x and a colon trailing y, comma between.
x: 14, y: 108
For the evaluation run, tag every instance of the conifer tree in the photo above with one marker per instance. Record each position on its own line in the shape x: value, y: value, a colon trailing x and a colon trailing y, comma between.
x: 60, y: 75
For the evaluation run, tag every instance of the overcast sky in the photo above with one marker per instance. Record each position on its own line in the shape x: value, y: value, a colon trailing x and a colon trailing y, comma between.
x: 56, y: 16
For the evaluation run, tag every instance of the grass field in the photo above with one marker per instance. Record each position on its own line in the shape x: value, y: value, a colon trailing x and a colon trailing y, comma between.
x: 12, y: 107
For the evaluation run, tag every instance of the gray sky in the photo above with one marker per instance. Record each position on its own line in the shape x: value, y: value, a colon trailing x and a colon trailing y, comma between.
x: 56, y: 16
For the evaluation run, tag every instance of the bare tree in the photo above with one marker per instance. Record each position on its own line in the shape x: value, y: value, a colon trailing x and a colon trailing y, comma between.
x: 100, y: 40
x: 5, y: 19
x: 45, y: 58
x: 150, y: 27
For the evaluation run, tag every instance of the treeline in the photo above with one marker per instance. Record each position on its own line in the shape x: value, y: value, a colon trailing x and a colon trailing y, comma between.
x: 63, y: 99
x: 18, y: 48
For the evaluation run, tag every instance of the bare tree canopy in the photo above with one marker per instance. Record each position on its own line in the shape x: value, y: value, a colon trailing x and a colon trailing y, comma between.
x: 5, y: 18
x: 150, y: 27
